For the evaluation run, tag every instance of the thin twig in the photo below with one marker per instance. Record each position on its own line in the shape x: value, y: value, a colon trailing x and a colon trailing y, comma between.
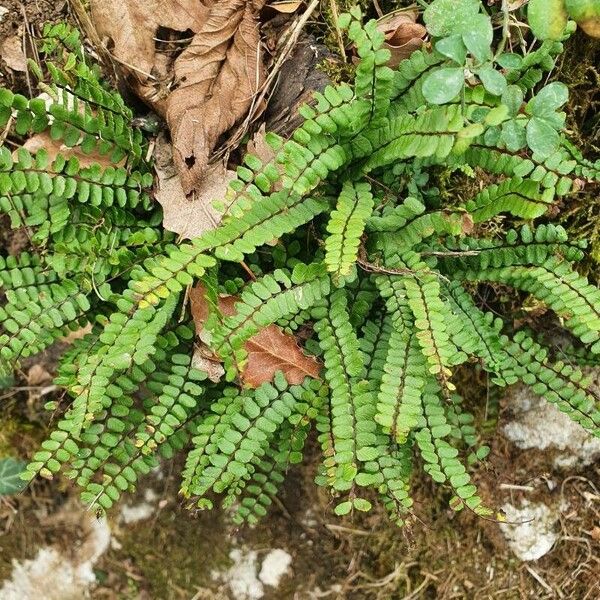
x: 24, y: 47
x: 539, y: 579
x: 338, y: 32
x: 90, y: 30
x: 505, y: 28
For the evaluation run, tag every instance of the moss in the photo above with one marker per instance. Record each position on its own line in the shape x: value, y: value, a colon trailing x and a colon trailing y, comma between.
x: 173, y: 551
x: 337, y: 71
x: 578, y: 68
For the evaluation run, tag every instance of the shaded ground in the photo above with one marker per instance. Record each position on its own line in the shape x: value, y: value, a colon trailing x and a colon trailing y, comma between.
x: 172, y: 553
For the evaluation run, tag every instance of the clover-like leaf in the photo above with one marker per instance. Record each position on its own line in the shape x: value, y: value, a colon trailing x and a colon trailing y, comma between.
x: 542, y: 138
x: 493, y: 81
x: 478, y: 36
x: 513, y: 135
x: 453, y: 47
x: 548, y: 100
x: 10, y: 476
x: 446, y: 17
x: 443, y: 85
x: 510, y: 60
x: 513, y: 98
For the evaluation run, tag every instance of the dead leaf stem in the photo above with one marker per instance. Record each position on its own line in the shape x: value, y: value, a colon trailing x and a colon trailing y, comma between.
x: 338, y: 31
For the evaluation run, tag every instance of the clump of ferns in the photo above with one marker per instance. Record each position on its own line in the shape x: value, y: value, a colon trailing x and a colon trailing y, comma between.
x: 369, y: 256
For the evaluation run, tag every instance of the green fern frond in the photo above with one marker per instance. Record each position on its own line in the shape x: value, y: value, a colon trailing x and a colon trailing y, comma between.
x: 373, y: 253
x: 346, y: 226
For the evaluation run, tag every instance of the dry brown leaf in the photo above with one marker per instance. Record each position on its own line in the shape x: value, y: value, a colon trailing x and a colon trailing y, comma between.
x: 286, y: 7
x: 218, y: 75
x: 77, y: 334
x: 206, y: 90
x: 11, y: 52
x: 467, y: 224
x: 403, y: 35
x: 272, y: 350
x: 515, y: 4
x: 129, y: 28
x: 188, y: 215
x: 203, y: 359
x: 38, y: 375
x: 258, y: 146
x: 269, y: 351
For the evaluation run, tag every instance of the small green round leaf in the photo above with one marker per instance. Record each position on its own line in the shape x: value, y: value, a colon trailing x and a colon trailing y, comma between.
x: 443, y: 85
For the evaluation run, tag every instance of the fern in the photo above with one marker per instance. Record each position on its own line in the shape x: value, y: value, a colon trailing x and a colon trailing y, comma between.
x: 385, y: 280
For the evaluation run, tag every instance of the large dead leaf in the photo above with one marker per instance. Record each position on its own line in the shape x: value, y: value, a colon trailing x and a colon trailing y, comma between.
x: 269, y: 351
x: 129, y: 28
x: 217, y: 75
x: 207, y: 89
x: 193, y: 214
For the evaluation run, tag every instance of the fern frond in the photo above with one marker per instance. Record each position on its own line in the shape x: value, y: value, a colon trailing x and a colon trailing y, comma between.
x: 556, y: 284
x: 247, y: 437
x: 343, y: 363
x: 519, y: 197
x: 346, y: 226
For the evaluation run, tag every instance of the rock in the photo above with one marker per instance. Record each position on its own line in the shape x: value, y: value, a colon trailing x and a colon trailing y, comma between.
x: 530, y: 530
x: 275, y: 565
x: 242, y: 578
x: 131, y: 514
x: 538, y: 424
x: 52, y: 575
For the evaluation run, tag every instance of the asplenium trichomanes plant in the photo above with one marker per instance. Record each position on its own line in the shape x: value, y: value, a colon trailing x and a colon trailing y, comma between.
x: 370, y: 254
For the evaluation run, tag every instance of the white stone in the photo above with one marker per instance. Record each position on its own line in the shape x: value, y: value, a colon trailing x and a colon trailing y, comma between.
x: 241, y: 576
x: 275, y: 565
x: 53, y: 576
x: 539, y: 424
x: 530, y: 529
x: 139, y: 512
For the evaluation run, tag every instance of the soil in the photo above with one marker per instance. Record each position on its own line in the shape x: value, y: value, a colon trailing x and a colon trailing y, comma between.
x: 25, y: 19
x: 177, y: 554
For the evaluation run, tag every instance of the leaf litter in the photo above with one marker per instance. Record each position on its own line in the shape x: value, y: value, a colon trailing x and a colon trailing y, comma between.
x: 403, y: 35
x: 189, y: 215
x: 205, y: 89
x: 200, y: 66
x: 269, y: 351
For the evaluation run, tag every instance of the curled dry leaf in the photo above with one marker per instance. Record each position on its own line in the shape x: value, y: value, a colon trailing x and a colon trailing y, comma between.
x: 269, y: 351
x: 286, y: 7
x: 403, y: 35
x: 188, y: 215
x: 217, y: 76
x: 129, y: 29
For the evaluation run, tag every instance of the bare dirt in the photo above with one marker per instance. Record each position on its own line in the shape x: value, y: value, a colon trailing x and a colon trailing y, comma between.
x: 173, y: 553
